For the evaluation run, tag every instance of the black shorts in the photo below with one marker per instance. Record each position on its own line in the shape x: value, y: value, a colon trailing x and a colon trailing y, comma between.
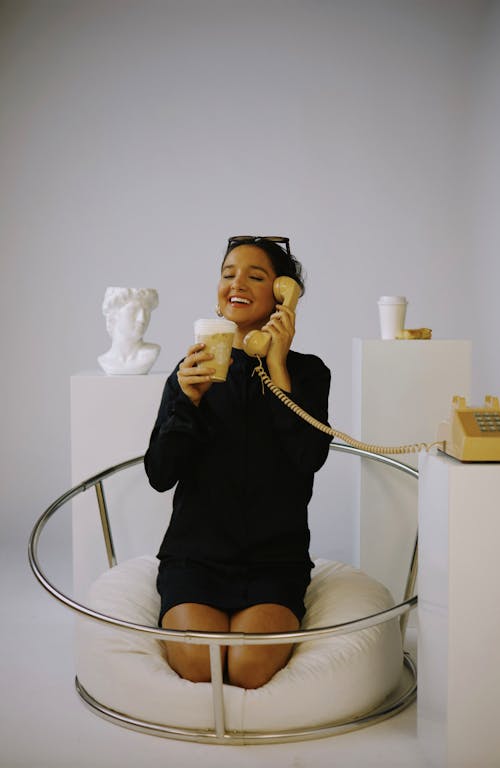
x: 232, y: 588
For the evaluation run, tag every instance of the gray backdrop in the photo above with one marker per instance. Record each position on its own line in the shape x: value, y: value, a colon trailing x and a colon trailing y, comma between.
x: 136, y: 136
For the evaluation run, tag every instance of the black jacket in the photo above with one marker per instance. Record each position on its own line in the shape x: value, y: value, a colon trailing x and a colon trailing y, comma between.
x: 243, y: 463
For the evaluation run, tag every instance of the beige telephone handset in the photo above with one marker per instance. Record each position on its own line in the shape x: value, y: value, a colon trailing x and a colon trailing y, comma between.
x: 472, y: 433
x: 256, y: 344
x: 286, y: 291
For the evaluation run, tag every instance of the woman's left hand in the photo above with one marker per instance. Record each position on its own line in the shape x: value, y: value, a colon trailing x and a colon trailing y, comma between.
x: 281, y: 327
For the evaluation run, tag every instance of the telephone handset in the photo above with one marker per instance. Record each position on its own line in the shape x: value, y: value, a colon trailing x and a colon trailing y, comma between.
x: 286, y: 291
x: 472, y: 433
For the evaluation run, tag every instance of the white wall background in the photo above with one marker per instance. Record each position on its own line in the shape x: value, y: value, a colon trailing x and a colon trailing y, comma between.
x: 136, y: 136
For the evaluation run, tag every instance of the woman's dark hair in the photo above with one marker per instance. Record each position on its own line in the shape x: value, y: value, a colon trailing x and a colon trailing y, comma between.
x: 284, y: 263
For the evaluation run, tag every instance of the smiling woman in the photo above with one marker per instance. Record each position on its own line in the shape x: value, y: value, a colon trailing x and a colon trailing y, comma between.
x: 235, y: 556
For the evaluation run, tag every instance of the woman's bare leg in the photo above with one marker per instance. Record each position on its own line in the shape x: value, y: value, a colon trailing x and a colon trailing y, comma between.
x: 190, y: 661
x: 250, y: 666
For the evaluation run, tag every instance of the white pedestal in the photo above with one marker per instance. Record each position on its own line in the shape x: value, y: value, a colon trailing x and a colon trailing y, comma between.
x: 111, y: 421
x: 401, y: 391
x: 459, y: 613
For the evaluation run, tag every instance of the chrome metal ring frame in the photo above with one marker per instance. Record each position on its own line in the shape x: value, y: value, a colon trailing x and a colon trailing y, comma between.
x: 219, y: 734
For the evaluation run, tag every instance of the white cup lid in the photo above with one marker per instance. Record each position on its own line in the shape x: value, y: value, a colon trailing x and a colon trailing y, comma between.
x: 392, y: 300
x: 205, y: 326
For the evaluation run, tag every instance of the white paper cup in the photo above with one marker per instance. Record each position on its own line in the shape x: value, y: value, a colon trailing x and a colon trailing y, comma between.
x: 392, y: 313
x: 217, y: 334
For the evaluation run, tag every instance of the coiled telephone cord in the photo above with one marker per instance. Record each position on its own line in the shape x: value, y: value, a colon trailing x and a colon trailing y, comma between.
x: 380, y: 449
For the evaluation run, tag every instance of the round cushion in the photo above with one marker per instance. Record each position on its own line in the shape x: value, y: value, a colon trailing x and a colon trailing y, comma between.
x: 325, y: 680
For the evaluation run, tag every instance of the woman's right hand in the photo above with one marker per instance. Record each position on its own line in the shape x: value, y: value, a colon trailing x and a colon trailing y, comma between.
x: 195, y: 374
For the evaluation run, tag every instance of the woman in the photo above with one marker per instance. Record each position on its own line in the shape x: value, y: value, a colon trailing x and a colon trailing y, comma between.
x: 235, y: 555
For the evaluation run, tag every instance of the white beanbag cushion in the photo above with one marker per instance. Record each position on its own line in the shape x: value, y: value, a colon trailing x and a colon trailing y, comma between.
x: 326, y: 680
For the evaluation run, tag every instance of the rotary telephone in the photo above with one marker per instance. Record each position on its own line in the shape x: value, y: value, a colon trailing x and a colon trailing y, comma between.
x: 473, y: 434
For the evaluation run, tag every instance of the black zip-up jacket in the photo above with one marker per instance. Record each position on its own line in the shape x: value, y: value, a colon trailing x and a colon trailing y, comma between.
x: 243, y: 463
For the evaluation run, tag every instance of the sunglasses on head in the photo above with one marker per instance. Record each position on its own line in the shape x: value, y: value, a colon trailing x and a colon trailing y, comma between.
x: 255, y: 239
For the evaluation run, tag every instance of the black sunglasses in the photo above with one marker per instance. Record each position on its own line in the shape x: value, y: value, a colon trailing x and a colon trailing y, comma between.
x: 255, y: 239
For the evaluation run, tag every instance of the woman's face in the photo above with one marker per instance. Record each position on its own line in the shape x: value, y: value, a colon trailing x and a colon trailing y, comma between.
x: 131, y: 321
x: 245, y: 290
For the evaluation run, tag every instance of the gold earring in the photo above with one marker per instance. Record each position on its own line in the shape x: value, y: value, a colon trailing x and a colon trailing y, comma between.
x: 218, y: 311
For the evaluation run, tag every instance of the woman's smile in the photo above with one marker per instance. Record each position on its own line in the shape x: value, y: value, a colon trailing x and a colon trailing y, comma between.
x: 239, y: 301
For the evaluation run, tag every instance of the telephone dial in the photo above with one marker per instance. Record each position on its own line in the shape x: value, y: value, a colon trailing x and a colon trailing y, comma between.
x: 472, y: 434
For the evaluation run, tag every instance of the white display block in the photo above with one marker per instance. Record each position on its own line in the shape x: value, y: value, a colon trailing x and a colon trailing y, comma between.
x: 401, y: 391
x: 458, y: 613
x: 111, y: 421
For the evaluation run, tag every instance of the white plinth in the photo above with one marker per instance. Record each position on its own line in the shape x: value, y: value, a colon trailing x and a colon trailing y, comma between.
x: 401, y: 391
x: 459, y: 613
x: 111, y: 421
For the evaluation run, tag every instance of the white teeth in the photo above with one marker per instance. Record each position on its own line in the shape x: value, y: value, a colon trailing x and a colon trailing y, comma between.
x: 239, y: 300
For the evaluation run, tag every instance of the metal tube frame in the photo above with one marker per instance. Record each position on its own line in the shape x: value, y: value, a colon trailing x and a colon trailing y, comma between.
x: 106, y: 527
x: 404, y: 696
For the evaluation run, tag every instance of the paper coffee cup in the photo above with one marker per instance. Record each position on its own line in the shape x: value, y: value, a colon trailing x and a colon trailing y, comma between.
x: 392, y: 313
x: 217, y: 334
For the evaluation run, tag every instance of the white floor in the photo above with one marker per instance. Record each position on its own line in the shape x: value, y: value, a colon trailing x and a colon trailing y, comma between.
x: 43, y: 724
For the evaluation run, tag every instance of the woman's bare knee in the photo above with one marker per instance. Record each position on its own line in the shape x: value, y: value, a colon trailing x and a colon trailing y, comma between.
x: 192, y: 662
x: 244, y: 672
x: 252, y: 667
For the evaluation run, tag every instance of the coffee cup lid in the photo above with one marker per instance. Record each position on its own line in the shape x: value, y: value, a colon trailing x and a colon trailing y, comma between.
x: 214, y: 325
x: 393, y: 300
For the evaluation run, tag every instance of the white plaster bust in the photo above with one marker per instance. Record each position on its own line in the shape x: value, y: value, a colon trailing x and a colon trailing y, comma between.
x: 127, y: 312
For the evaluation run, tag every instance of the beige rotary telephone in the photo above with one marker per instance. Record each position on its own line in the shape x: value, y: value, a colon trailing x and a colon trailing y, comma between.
x: 472, y: 434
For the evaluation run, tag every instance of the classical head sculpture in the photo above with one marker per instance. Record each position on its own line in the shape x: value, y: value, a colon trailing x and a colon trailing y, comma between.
x: 127, y: 312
